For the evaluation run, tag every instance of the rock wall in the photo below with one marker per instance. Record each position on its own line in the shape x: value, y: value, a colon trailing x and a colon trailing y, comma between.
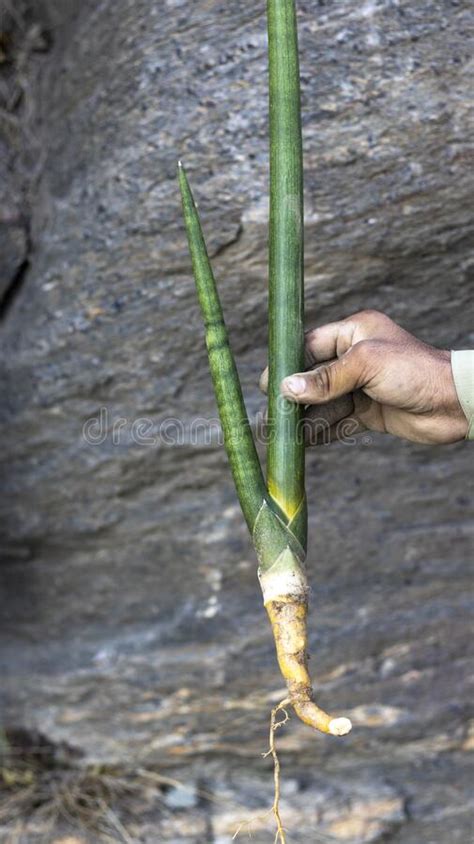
x: 131, y: 622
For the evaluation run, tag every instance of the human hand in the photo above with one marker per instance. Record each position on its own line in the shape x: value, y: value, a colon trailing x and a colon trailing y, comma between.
x: 368, y: 369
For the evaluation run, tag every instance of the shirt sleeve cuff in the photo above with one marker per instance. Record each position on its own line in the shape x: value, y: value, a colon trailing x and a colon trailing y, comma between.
x: 462, y: 364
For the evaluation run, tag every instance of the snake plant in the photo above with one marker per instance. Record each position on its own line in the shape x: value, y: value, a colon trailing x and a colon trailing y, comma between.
x: 275, y: 509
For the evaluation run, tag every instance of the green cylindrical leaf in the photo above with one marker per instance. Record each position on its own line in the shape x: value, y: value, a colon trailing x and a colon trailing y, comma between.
x: 285, y: 464
x: 238, y: 439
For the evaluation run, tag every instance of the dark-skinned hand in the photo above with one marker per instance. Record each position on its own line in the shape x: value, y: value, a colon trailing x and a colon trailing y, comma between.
x: 368, y: 370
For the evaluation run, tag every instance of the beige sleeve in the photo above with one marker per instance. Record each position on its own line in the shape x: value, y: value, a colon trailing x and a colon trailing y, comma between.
x: 463, y: 373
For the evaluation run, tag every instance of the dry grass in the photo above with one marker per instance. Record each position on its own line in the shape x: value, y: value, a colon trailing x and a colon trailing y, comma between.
x: 41, y: 790
x: 86, y: 800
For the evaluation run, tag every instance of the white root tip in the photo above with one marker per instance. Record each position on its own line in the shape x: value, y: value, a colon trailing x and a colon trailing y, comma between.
x: 180, y: 163
x: 340, y: 726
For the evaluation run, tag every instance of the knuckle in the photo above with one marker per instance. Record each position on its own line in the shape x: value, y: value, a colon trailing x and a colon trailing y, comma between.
x: 367, y: 354
x: 363, y: 350
x: 370, y: 315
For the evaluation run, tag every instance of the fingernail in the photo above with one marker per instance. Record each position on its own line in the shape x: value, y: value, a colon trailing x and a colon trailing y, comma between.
x: 295, y: 384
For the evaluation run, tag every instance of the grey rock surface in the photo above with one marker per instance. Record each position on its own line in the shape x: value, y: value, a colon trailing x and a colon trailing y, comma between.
x: 131, y: 622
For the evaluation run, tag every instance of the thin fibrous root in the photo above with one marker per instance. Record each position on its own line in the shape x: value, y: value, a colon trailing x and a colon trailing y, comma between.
x: 288, y: 615
x: 280, y: 837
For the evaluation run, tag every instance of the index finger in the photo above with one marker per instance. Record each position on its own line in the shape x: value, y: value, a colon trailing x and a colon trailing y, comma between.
x: 336, y: 338
x: 329, y: 341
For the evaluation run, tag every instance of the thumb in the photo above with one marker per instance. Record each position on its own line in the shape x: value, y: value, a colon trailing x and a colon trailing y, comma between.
x: 331, y: 380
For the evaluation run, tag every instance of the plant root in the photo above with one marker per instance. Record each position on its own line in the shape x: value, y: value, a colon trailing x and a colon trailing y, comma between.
x: 280, y: 837
x: 288, y: 615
